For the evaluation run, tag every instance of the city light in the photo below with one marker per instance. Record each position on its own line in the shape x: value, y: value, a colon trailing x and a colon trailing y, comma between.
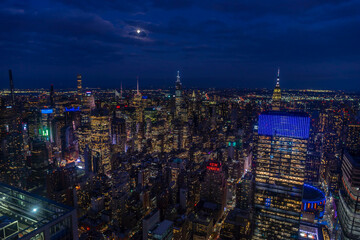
x: 171, y: 120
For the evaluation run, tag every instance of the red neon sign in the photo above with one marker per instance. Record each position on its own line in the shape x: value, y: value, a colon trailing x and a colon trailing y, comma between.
x: 213, y: 168
x: 213, y: 164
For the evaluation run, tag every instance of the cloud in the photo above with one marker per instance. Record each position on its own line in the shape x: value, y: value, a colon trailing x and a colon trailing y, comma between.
x: 238, y: 33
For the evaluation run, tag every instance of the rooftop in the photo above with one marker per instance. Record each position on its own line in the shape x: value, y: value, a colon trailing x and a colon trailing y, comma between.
x: 353, y: 157
x: 284, y: 124
x: 163, y: 227
x: 312, y: 194
x: 28, y: 211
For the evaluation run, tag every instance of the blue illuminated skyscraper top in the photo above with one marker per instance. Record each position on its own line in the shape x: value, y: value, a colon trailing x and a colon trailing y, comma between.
x: 284, y: 124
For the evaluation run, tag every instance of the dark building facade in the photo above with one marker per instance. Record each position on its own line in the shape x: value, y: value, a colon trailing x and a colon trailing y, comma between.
x: 349, y: 204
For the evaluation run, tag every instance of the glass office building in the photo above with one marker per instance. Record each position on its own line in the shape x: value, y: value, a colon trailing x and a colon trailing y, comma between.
x: 27, y: 216
x: 279, y: 167
x: 349, y: 204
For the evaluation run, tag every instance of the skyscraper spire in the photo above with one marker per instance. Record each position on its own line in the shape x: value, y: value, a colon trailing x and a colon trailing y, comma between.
x: 52, y: 102
x: 121, y: 90
x: 137, y: 86
x: 278, y: 78
x: 79, y: 84
x: 178, y: 76
x: 11, y: 87
x: 178, y: 95
x: 79, y: 87
x: 276, y: 98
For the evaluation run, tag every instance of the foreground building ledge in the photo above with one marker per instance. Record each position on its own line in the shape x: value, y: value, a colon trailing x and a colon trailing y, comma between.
x: 28, y: 216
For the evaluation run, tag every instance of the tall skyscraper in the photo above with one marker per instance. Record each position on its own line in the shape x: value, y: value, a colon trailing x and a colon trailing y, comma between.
x: 137, y: 86
x: 353, y: 138
x: 276, y: 98
x: 52, y: 93
x: 213, y: 188
x: 79, y: 86
x: 349, y: 195
x: 100, y: 142
x: 11, y: 87
x: 244, y: 192
x: 279, y: 174
x: 178, y: 95
x: 121, y: 92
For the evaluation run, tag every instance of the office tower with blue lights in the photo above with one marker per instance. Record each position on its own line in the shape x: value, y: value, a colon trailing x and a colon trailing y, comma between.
x: 279, y: 165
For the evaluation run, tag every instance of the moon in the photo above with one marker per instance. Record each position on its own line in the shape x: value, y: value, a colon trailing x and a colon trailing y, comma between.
x: 138, y: 31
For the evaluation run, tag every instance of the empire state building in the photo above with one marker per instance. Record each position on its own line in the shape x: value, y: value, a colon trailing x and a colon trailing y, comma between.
x: 276, y: 98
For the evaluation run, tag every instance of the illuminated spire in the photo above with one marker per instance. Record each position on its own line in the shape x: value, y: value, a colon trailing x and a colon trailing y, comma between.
x: 178, y: 76
x: 121, y: 90
x: 276, y: 98
x: 137, y: 86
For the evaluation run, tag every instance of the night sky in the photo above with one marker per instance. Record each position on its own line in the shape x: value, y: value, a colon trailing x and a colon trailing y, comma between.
x: 214, y: 43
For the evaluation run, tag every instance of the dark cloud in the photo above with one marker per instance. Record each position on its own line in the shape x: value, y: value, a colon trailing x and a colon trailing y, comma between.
x: 214, y: 40
x: 118, y: 5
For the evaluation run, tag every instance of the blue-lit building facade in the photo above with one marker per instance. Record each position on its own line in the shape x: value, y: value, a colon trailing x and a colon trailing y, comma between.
x: 279, y: 167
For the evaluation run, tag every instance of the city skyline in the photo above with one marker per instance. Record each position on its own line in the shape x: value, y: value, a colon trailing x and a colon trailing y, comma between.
x: 180, y: 164
x: 136, y: 85
x: 179, y: 120
x: 213, y: 44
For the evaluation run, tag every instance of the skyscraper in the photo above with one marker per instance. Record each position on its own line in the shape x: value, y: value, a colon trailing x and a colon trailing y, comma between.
x: 244, y: 191
x: 353, y: 138
x: 137, y: 86
x: 79, y: 86
x: 178, y: 95
x: 349, y: 195
x: 279, y: 174
x: 213, y: 188
x: 11, y: 87
x: 100, y: 142
x: 276, y: 98
x: 52, y: 93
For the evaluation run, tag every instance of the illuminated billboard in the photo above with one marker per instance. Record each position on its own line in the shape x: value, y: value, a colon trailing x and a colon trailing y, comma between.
x: 72, y: 109
x: 213, y: 166
x: 47, y: 111
x: 44, y: 132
